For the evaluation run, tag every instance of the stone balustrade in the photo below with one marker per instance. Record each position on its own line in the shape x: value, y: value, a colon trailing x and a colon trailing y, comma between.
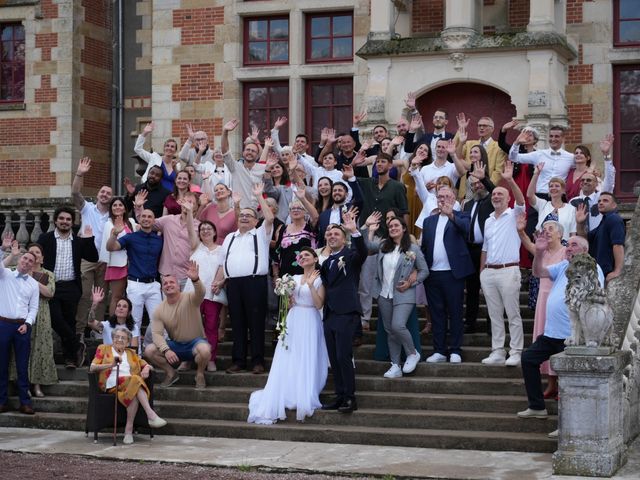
x: 28, y: 218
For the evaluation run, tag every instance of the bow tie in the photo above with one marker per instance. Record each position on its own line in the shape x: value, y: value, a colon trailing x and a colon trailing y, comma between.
x: 555, y: 153
x: 22, y: 276
x: 437, y: 135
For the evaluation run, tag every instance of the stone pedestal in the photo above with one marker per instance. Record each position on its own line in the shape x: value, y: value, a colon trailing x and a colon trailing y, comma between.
x: 590, y: 414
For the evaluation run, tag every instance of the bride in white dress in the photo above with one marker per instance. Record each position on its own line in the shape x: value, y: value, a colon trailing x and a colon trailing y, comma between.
x: 299, y: 370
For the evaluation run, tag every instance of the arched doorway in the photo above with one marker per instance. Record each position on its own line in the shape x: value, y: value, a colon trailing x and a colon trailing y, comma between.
x: 474, y: 99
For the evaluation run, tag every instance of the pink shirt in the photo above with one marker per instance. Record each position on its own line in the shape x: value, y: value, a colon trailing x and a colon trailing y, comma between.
x: 224, y: 225
x: 177, y: 248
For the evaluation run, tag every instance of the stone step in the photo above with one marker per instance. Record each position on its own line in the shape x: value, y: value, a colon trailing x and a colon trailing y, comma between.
x: 372, y: 400
x: 366, y: 417
x: 297, y: 431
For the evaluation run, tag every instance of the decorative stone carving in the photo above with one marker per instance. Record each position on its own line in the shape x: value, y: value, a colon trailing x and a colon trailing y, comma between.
x: 457, y: 37
x: 538, y: 98
x: 457, y: 59
x: 590, y: 314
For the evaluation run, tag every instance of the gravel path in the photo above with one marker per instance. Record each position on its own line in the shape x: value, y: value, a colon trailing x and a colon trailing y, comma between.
x: 71, y: 467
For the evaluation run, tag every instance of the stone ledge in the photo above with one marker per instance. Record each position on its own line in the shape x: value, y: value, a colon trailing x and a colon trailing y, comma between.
x: 479, y: 43
x: 9, y: 107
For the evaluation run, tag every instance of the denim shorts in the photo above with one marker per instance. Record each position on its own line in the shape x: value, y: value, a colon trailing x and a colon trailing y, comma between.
x: 184, y: 350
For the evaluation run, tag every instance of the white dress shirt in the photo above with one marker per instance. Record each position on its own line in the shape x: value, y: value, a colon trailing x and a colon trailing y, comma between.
x: 440, y: 257
x: 208, y: 262
x: 19, y: 296
x: 239, y: 260
x: 431, y: 172
x: 556, y: 164
x: 501, y: 239
x: 389, y: 264
x: 96, y: 219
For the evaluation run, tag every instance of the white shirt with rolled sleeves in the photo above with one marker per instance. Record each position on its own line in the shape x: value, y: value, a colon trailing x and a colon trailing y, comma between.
x: 556, y: 164
x: 501, y: 239
x: 152, y: 158
x: 19, y: 296
x: 96, y: 219
x: 239, y: 260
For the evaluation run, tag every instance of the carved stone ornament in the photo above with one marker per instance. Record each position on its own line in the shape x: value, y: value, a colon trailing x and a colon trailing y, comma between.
x: 458, y: 60
x: 590, y: 314
x: 457, y: 37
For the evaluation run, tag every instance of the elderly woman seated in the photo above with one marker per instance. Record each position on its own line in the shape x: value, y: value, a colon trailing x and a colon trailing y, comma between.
x: 132, y: 390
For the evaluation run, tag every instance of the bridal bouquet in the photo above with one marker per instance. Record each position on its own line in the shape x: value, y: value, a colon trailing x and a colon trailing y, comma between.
x: 285, y: 287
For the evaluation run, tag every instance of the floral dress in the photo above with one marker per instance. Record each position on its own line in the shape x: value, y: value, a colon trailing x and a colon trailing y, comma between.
x: 289, y: 245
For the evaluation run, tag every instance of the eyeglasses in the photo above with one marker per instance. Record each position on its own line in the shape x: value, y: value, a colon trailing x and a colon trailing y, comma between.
x: 119, y: 337
x: 586, y: 180
x: 246, y: 215
x: 206, y: 229
x: 296, y: 209
x: 200, y: 139
x: 482, y: 125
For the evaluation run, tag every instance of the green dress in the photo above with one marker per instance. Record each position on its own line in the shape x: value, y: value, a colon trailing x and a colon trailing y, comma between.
x: 42, y: 368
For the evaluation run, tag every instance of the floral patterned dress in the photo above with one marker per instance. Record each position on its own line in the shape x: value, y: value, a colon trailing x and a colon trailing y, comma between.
x: 289, y: 245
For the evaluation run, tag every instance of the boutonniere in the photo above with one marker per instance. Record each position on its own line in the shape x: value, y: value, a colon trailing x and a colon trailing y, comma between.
x: 344, y: 209
x: 409, y: 256
x: 342, y: 265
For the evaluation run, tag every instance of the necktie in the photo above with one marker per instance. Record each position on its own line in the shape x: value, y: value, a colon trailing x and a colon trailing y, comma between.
x: 587, y: 209
x: 472, y: 236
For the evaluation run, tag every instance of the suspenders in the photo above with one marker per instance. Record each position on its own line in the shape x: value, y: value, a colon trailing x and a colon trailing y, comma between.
x: 255, y: 255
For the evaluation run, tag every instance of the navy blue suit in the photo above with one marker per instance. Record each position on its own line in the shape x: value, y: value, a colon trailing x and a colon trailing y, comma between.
x: 325, y: 217
x: 445, y: 288
x: 340, y: 275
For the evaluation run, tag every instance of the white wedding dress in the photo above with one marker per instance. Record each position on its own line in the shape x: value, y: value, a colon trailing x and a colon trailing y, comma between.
x: 299, y: 371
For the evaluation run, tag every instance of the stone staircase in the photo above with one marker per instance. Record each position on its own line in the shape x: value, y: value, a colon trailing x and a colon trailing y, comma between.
x: 466, y: 406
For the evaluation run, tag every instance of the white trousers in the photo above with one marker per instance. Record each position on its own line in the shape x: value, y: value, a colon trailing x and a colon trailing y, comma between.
x: 143, y: 295
x: 501, y: 288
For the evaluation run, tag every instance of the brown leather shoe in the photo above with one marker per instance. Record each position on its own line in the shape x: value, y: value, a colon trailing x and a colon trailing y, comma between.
x: 258, y: 369
x: 4, y: 408
x: 235, y: 369
x: 26, y: 409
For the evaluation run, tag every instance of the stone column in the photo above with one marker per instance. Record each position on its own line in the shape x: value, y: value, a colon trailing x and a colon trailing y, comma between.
x: 590, y: 414
x: 377, y: 88
x: 541, y: 16
x: 462, y: 20
x: 381, y: 20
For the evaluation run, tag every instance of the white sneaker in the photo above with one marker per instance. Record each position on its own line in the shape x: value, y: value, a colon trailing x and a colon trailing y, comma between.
x: 128, y: 439
x: 394, y: 372
x: 553, y: 434
x: 530, y: 413
x: 455, y: 358
x: 513, y: 360
x: 496, y: 358
x: 436, y: 358
x: 411, y: 362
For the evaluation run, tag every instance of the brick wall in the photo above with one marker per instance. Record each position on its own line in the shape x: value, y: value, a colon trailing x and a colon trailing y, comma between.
x: 518, y: 13
x: 580, y: 74
x: 46, y: 94
x: 26, y: 131
x: 46, y: 41
x: 48, y: 9
x: 97, y: 12
x: 32, y: 172
x: 197, y: 83
x: 574, y: 10
x: 578, y: 114
x: 198, y: 24
x: 427, y: 17
x: 96, y: 93
x: 96, y: 53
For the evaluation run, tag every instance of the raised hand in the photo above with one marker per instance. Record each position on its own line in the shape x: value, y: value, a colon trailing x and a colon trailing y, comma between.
x: 349, y: 222
x: 521, y: 222
x: 186, y: 206
x: 581, y: 213
x: 397, y: 140
x: 148, y: 128
x: 300, y: 193
x: 204, y: 199
x: 359, y: 159
x: 416, y: 122
x: 128, y: 185
x: 507, y: 172
x: 353, y: 210
x: 236, y: 196
x: 83, y: 166
x: 478, y: 170
x: 268, y: 143
x: 7, y: 239
x: 257, y: 189
x: 359, y: 117
x: 539, y: 168
x: 463, y: 121
x: 190, y: 132
x: 446, y: 208
x: 509, y: 125
x: 374, y: 219
x: 414, y: 167
x: 255, y: 131
x: 193, y: 271
x: 230, y: 125
x: 97, y: 295
x: 141, y: 198
x: 324, y: 136
x: 312, y: 278
x: 410, y: 101
x: 272, y: 158
x: 347, y: 172
x: 451, y: 148
x: 15, y: 248
x: 525, y: 138
x: 331, y: 135
x: 542, y: 243
x: 87, y: 232
x: 606, y: 143
x: 279, y: 123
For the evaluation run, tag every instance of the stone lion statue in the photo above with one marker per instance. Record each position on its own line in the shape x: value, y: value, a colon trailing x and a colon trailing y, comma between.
x: 590, y: 314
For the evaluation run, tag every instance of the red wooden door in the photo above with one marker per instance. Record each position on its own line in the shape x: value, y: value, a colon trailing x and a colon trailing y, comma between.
x: 474, y: 99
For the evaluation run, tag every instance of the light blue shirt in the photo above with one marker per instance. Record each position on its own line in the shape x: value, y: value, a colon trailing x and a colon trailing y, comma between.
x: 557, y: 324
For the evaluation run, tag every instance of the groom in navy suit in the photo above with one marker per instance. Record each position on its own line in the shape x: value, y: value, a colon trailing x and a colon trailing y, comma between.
x: 340, y: 275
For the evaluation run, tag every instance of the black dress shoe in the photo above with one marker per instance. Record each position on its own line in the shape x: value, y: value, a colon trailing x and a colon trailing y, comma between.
x: 335, y: 405
x: 348, y: 406
x: 4, y: 408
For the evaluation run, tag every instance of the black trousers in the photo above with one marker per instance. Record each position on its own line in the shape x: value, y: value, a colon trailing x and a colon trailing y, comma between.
x: 473, y: 286
x: 247, y: 297
x: 63, y: 307
x: 539, y: 351
x: 338, y: 335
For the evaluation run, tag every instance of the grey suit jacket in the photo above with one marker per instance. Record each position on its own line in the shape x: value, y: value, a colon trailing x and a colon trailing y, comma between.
x: 404, y: 267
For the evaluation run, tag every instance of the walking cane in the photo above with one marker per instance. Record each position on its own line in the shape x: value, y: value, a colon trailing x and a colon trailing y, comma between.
x: 115, y: 400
